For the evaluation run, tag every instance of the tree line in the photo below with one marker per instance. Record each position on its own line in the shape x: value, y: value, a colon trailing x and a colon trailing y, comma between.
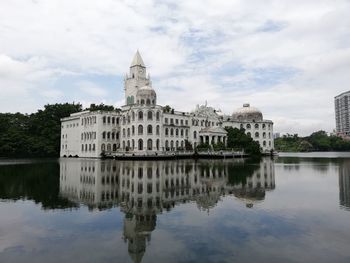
x: 317, y: 141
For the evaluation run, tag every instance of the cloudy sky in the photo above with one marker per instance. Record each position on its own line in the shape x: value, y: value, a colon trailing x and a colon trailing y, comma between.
x: 287, y: 58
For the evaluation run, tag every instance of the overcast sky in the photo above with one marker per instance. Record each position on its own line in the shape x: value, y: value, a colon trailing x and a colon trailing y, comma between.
x: 288, y: 58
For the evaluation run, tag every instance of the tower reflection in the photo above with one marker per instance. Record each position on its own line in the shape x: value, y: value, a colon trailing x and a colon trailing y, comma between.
x: 144, y: 189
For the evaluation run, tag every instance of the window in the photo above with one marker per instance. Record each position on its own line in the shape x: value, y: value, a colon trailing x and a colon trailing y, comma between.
x: 195, y: 134
x: 150, y: 115
x: 104, y: 119
x: 166, y: 131
x: 149, y: 129
x: 248, y: 126
x: 166, y: 120
x: 157, y: 130
x: 140, y: 144
x: 140, y: 115
x: 133, y: 130
x: 140, y: 130
x: 256, y: 126
x: 149, y: 145
x: 104, y: 135
x: 171, y: 132
x: 157, y: 116
x: 256, y: 135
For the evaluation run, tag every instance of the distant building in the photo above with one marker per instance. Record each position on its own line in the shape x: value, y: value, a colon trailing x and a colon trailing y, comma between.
x: 144, y: 127
x: 342, y: 113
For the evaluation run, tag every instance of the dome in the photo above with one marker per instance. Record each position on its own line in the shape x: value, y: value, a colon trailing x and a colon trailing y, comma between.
x: 146, y: 95
x: 247, y: 113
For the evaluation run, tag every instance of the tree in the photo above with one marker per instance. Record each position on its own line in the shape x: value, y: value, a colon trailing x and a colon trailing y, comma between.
x: 238, y: 140
x: 166, y: 109
x: 37, y: 134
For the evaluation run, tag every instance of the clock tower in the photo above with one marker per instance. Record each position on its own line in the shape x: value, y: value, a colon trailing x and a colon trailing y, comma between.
x: 136, y: 79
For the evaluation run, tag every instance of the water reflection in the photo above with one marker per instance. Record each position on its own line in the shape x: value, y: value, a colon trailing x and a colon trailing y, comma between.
x: 144, y: 189
x: 344, y: 184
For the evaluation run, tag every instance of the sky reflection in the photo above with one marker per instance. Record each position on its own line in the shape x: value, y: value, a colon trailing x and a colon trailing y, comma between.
x: 175, y: 211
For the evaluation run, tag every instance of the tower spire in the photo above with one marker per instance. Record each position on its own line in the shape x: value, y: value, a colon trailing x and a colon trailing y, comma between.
x: 137, y: 60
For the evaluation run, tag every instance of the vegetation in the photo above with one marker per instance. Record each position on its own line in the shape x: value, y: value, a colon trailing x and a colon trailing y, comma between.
x: 101, y: 107
x: 238, y: 140
x: 317, y: 141
x: 34, y: 135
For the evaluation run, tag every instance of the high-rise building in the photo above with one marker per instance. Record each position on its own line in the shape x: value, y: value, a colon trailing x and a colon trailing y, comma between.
x: 342, y: 113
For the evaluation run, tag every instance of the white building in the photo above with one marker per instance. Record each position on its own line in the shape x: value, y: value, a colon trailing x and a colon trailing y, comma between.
x: 142, y: 126
x: 342, y: 113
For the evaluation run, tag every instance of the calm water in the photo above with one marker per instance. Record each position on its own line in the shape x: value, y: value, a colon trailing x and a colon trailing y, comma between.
x: 291, y: 209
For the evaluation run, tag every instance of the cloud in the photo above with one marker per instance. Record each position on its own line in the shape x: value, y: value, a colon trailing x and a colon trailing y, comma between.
x: 287, y: 58
x: 92, y: 89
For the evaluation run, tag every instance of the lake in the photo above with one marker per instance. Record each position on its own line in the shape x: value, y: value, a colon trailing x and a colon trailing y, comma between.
x: 293, y: 208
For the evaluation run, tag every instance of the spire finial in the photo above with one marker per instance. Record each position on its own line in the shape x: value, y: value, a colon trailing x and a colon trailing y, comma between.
x: 137, y: 60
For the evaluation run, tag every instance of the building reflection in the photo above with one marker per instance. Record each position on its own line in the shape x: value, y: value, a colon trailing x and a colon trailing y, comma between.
x: 344, y: 184
x: 144, y: 189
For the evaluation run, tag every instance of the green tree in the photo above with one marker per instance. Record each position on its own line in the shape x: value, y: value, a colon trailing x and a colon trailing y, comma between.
x: 238, y: 140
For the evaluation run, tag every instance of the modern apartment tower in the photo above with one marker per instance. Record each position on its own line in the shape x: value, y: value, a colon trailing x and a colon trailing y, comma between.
x: 342, y: 113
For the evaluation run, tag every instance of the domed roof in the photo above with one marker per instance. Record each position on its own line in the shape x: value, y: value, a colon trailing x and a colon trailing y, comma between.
x: 247, y: 113
x: 146, y: 90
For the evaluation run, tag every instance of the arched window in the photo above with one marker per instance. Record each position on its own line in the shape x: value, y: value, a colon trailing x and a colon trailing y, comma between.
x: 264, y: 134
x: 157, y: 144
x: 177, y: 132
x: 124, y: 132
x: 149, y: 115
x: 93, y: 147
x: 114, y: 147
x: 104, y: 135
x: 157, y: 130
x: 182, y: 144
x: 256, y: 126
x: 157, y: 116
x: 171, y: 145
x: 133, y: 116
x: 113, y: 120
x: 104, y: 119
x: 140, y: 115
x: 249, y: 134
x: 148, y: 102
x: 113, y: 135
x: 149, y: 129
x: 109, y: 148
x: 171, y: 132
x: 149, y: 144
x: 241, y: 126
x: 140, y: 130
x: 256, y: 135
x: 133, y: 144
x: 140, y: 144
x: 103, y: 147
x: 177, y: 144
x: 166, y: 145
x: 142, y: 101
x: 182, y: 132
x: 195, y: 134
x: 133, y: 130
x: 108, y: 135
x: 264, y: 143
x: 109, y: 120
x: 128, y: 132
x: 264, y: 126
x: 166, y: 131
x: 248, y: 126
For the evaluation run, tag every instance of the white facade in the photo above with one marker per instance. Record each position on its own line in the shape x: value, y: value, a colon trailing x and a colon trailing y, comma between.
x: 342, y: 113
x: 142, y: 126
